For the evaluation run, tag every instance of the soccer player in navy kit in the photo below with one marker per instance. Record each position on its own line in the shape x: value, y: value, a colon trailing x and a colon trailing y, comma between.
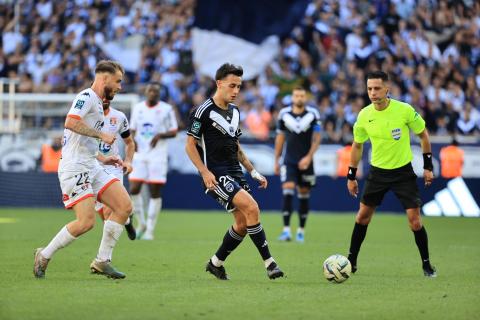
x: 298, y: 130
x: 213, y: 147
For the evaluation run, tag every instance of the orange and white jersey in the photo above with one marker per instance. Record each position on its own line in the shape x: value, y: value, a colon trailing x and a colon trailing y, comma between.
x: 115, y: 123
x: 79, y: 152
x: 150, y: 121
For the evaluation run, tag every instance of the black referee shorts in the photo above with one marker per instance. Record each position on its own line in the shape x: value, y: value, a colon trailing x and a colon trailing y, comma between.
x: 402, y: 181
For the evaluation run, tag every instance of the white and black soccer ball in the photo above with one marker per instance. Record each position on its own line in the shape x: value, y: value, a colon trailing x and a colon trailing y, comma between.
x: 337, y: 268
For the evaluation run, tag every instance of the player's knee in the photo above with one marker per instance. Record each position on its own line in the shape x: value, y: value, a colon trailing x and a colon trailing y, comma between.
x: 135, y: 189
x: 126, y: 207
x: 363, y: 218
x: 240, y: 227
x: 252, y: 210
x: 415, y: 223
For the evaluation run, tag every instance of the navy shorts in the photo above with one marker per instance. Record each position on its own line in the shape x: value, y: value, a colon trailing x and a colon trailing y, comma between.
x: 227, y: 188
x: 302, y: 178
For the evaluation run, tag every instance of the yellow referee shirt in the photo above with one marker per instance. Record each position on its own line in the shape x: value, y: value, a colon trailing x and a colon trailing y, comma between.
x: 388, y: 131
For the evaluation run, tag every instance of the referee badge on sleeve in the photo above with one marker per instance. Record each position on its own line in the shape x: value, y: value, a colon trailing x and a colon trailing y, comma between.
x: 397, y: 133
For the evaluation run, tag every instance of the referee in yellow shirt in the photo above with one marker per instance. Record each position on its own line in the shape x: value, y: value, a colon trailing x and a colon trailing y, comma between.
x: 387, y: 123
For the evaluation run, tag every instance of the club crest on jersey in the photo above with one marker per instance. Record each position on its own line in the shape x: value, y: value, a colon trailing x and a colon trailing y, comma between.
x: 231, y: 130
x: 397, y: 133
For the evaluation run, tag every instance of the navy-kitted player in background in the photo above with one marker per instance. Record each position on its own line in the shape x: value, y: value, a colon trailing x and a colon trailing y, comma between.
x: 298, y: 129
x: 214, y: 149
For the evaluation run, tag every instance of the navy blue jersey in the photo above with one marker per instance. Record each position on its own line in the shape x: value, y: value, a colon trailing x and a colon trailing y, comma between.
x: 217, y: 131
x: 298, y: 130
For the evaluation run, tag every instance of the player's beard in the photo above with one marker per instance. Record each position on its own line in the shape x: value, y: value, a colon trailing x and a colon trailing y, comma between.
x: 108, y: 93
x: 299, y: 104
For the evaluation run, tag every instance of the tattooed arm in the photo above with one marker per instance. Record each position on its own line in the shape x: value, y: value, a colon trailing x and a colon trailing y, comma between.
x: 80, y: 127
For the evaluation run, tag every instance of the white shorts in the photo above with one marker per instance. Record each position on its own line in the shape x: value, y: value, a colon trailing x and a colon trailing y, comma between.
x: 117, y: 173
x: 77, y: 186
x: 149, y: 169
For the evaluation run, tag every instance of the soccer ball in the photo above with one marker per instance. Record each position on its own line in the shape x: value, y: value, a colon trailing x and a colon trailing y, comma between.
x: 337, y: 268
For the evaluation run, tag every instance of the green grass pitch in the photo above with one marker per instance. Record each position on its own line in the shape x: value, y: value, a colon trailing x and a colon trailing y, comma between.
x: 166, y: 278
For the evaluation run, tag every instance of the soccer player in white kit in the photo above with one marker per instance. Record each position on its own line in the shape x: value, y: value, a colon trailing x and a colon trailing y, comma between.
x: 83, y: 180
x: 152, y: 122
x: 116, y: 123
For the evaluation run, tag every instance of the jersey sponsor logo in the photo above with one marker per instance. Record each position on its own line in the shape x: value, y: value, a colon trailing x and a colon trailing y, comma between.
x: 98, y: 125
x: 219, y: 127
x: 113, y: 121
x: 397, y: 133
x: 79, y: 104
x: 231, y: 127
x: 104, y: 147
x: 196, y: 125
x: 147, y: 130
x: 125, y: 124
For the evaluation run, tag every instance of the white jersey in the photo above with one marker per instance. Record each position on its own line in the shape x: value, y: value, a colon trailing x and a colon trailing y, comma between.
x: 79, y: 152
x: 150, y: 121
x: 115, y: 123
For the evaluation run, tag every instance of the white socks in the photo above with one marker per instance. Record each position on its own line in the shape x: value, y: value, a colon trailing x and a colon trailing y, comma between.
x: 138, y: 208
x: 111, y: 233
x: 61, y: 240
x: 154, y: 207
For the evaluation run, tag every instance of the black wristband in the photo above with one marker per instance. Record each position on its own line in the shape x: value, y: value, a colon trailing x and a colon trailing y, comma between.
x: 427, y: 161
x: 352, y: 172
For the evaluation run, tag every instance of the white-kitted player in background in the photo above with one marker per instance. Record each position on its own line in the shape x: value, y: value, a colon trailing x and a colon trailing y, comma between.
x: 116, y: 123
x: 151, y: 123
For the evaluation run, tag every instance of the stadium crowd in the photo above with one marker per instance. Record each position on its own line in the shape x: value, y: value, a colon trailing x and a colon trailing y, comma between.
x: 430, y: 48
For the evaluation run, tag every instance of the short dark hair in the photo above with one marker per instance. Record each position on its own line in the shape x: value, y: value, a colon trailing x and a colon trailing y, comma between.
x: 109, y: 66
x: 377, y: 75
x: 226, y: 69
x: 299, y: 88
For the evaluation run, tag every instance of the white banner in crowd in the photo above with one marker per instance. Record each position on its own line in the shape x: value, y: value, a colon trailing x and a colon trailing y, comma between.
x: 252, y: 57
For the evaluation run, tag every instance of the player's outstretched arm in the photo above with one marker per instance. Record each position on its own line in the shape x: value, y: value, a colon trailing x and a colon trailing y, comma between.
x: 355, y: 156
x: 242, y: 158
x: 192, y: 152
x: 80, y: 127
x: 427, y: 157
